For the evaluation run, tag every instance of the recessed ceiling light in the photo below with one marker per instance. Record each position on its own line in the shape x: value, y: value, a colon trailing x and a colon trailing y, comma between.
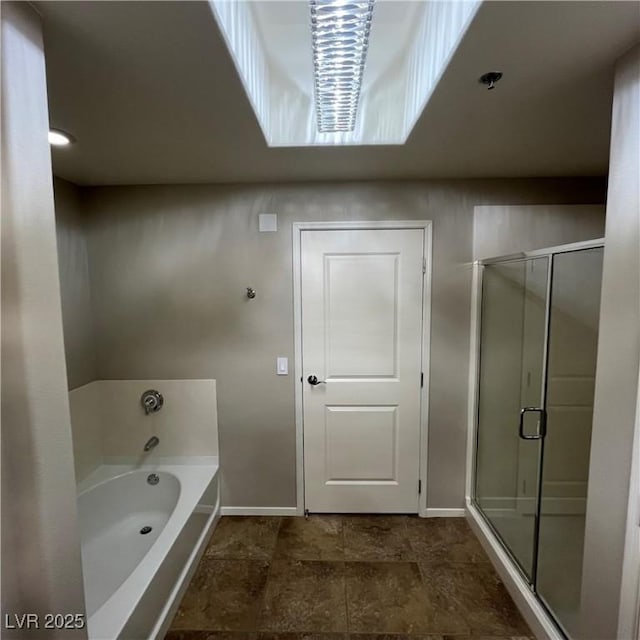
x: 340, y: 35
x: 58, y: 138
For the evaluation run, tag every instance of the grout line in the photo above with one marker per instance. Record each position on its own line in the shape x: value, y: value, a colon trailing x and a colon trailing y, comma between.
x: 260, y: 605
x: 270, y: 562
x: 275, y: 545
x: 344, y: 575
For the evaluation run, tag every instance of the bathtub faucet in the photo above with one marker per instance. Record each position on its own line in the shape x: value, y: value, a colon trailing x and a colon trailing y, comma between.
x: 152, y: 442
x: 151, y: 401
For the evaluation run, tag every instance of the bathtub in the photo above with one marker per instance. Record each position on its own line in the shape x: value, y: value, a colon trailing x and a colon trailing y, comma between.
x: 141, y: 542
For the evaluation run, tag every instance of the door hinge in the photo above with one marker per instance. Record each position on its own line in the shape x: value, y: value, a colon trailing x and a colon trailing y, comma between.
x: 421, y: 379
x: 419, y: 487
x: 424, y: 265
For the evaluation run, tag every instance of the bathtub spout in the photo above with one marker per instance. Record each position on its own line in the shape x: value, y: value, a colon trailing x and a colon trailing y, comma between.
x: 152, y: 442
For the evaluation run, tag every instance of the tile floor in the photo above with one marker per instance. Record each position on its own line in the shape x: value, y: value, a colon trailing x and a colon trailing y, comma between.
x: 267, y: 578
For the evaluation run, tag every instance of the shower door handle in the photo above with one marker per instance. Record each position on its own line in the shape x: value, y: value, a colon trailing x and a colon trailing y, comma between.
x: 542, y: 432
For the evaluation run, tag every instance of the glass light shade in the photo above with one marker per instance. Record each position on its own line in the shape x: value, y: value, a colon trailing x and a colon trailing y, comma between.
x: 340, y: 35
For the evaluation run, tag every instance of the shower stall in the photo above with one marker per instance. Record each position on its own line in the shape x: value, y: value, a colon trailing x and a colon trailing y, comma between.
x: 536, y: 343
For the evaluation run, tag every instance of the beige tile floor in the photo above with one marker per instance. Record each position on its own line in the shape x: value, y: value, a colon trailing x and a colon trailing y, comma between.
x: 328, y: 577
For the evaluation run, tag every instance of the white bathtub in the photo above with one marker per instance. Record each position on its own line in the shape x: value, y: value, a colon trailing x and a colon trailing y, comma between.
x: 134, y: 579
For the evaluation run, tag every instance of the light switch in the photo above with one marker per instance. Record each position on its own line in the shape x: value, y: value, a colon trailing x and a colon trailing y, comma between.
x: 282, y: 366
x: 267, y: 222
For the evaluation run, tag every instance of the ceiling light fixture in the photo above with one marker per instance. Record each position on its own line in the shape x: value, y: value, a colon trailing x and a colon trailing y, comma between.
x: 58, y: 138
x: 340, y: 35
x: 489, y: 79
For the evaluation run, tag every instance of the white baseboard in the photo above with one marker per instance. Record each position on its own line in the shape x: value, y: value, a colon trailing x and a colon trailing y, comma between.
x: 533, y: 612
x: 259, y: 511
x: 293, y: 511
x: 443, y: 513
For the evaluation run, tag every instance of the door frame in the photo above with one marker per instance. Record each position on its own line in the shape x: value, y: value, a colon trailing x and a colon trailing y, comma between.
x: 297, y: 229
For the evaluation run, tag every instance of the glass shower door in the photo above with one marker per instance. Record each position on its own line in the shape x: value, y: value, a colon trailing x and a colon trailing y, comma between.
x: 573, y: 340
x: 511, y: 419
x: 538, y: 345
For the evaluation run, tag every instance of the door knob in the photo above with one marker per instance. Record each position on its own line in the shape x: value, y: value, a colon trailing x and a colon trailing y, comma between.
x: 313, y: 380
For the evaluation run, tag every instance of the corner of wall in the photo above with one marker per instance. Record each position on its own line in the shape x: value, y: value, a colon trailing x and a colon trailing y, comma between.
x: 618, y: 364
x: 41, y: 570
x: 75, y: 287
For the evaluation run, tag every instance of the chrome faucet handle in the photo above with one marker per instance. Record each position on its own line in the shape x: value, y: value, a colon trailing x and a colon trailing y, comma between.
x: 151, y: 401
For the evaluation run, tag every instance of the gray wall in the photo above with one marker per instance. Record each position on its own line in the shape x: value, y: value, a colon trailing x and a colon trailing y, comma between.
x: 618, y: 363
x: 501, y: 231
x: 41, y: 570
x: 169, y: 269
x: 73, y: 264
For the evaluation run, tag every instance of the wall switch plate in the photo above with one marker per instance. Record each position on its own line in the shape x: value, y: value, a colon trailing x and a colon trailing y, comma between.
x: 282, y: 366
x: 268, y: 222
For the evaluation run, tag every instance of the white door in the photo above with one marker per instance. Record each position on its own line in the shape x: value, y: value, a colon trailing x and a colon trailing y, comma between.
x: 362, y: 303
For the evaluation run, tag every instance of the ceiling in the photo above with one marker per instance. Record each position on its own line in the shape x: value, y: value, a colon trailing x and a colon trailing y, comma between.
x: 152, y: 96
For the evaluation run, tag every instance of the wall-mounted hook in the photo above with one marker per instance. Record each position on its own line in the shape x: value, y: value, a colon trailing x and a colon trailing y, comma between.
x: 251, y: 293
